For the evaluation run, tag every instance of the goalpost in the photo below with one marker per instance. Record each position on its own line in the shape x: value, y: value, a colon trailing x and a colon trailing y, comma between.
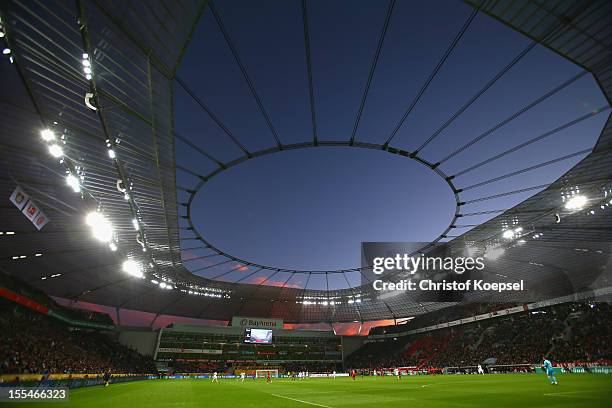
x: 264, y: 373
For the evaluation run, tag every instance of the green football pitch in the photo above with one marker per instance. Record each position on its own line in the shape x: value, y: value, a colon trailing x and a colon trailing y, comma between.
x: 491, y: 391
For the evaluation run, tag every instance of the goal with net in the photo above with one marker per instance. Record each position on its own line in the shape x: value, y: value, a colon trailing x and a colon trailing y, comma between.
x: 264, y: 373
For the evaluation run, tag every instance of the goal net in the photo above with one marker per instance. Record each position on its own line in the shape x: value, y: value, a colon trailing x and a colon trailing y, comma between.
x: 264, y: 373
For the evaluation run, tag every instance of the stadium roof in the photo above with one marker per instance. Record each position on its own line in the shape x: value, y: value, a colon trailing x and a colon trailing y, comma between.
x: 123, y: 146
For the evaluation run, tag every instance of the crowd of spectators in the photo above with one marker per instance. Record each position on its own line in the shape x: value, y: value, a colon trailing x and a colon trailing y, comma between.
x: 566, y: 333
x: 220, y: 367
x: 312, y: 367
x: 588, y: 337
x: 571, y: 333
x: 34, y: 343
x: 521, y: 339
x: 21, y: 288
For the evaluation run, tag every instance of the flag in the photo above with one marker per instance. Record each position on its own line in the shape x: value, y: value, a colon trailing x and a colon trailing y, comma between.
x: 19, y: 198
x: 40, y: 221
x: 31, y: 210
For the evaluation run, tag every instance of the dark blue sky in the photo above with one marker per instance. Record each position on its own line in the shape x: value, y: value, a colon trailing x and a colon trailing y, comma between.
x: 310, y: 209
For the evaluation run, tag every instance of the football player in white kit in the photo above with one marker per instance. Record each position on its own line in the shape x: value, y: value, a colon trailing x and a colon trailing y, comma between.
x: 480, y: 370
x: 215, y: 379
x: 242, y: 376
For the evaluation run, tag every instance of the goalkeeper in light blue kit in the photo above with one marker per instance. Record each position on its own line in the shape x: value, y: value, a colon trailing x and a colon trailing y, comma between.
x: 550, y: 372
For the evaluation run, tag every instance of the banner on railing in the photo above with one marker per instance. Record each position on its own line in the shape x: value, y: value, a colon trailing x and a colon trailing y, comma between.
x: 187, y: 351
x: 29, y: 208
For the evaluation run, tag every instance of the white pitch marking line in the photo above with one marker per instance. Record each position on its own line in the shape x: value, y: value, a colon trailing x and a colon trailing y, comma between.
x: 302, y: 401
x: 562, y: 394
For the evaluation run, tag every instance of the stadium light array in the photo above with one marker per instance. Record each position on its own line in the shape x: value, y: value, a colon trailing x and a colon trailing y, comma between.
x: 47, y: 135
x: 73, y: 182
x: 132, y: 268
x: 101, y: 228
x: 87, y: 66
x: 55, y: 275
x: 56, y: 150
x: 576, y: 202
x: 512, y: 233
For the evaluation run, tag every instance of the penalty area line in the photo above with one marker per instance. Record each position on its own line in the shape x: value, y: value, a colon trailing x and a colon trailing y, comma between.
x: 302, y: 401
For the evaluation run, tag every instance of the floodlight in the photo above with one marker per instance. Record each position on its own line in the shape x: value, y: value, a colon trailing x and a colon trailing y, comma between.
x: 56, y: 150
x: 47, y: 135
x: 73, y: 182
x: 577, y: 202
x: 101, y: 228
x: 132, y: 268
